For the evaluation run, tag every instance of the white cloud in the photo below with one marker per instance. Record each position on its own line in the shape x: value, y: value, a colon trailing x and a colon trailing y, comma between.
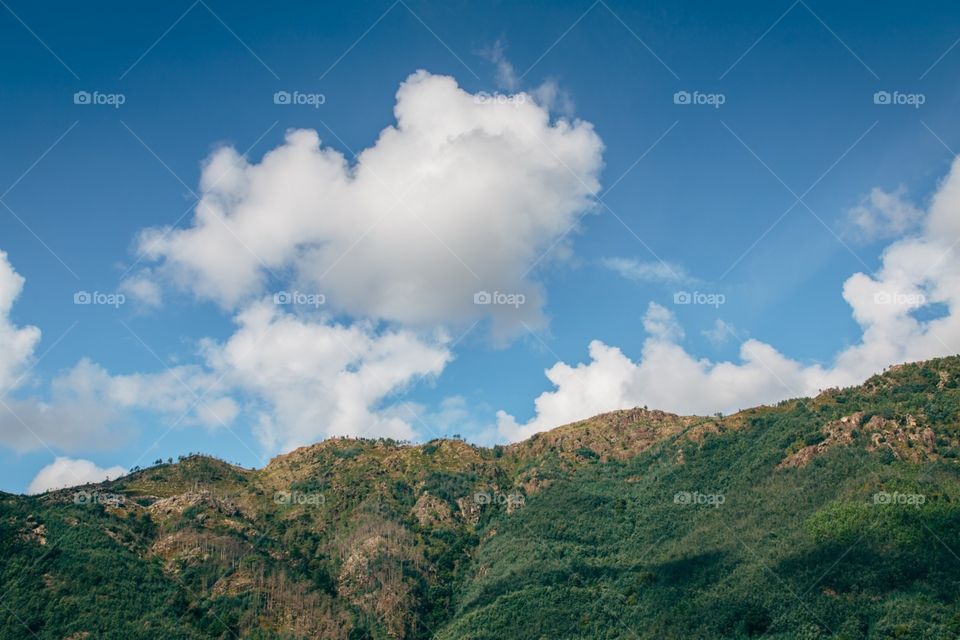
x: 314, y: 380
x: 303, y: 380
x: 654, y: 272
x: 506, y: 75
x: 298, y: 380
x: 187, y: 395
x: 720, y: 334
x: 554, y: 98
x: 664, y: 377
x: 73, y: 416
x: 86, y: 408
x: 69, y: 472
x: 76, y: 414
x: 16, y: 343
x: 461, y: 195
x: 916, y: 272
x: 142, y: 289
x: 883, y: 214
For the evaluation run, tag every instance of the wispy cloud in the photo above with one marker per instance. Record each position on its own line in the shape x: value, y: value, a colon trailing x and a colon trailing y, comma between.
x: 506, y: 75
x: 652, y: 272
x: 720, y: 334
x: 882, y: 214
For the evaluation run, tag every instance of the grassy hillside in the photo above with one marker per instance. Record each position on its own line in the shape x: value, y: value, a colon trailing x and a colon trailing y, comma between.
x: 837, y: 516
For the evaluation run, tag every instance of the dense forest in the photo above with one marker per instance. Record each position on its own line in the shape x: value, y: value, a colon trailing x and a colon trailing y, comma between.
x: 829, y: 517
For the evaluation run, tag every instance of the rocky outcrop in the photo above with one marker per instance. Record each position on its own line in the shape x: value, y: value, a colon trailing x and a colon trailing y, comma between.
x: 431, y: 511
x: 908, y: 440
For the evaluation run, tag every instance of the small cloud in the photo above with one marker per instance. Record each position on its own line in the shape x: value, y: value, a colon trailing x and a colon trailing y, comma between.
x: 143, y: 289
x: 882, y: 214
x: 556, y: 100
x: 653, y: 272
x: 69, y: 472
x: 506, y: 75
x: 720, y: 334
x: 662, y: 324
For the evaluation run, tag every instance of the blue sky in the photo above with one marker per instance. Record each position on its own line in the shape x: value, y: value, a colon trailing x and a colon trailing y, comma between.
x: 692, y: 197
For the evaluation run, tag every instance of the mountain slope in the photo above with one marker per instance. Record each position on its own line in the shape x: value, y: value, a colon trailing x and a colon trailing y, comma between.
x: 836, y: 516
x: 765, y: 524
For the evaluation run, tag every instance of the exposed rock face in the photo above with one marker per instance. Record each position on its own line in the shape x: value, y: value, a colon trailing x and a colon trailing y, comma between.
x: 910, y: 441
x: 34, y: 531
x: 174, y: 506
x: 701, y: 431
x: 431, y: 511
x: 469, y: 510
x: 532, y: 483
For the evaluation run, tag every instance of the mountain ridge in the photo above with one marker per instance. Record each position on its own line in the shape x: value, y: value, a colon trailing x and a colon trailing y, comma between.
x: 361, y: 538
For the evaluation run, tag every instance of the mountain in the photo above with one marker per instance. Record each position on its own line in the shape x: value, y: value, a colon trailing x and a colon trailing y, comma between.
x: 829, y: 517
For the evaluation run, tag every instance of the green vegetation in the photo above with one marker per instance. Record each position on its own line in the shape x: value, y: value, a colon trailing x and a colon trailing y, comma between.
x: 829, y: 517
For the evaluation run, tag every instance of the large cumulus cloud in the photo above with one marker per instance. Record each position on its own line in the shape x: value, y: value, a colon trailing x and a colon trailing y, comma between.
x: 464, y: 193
